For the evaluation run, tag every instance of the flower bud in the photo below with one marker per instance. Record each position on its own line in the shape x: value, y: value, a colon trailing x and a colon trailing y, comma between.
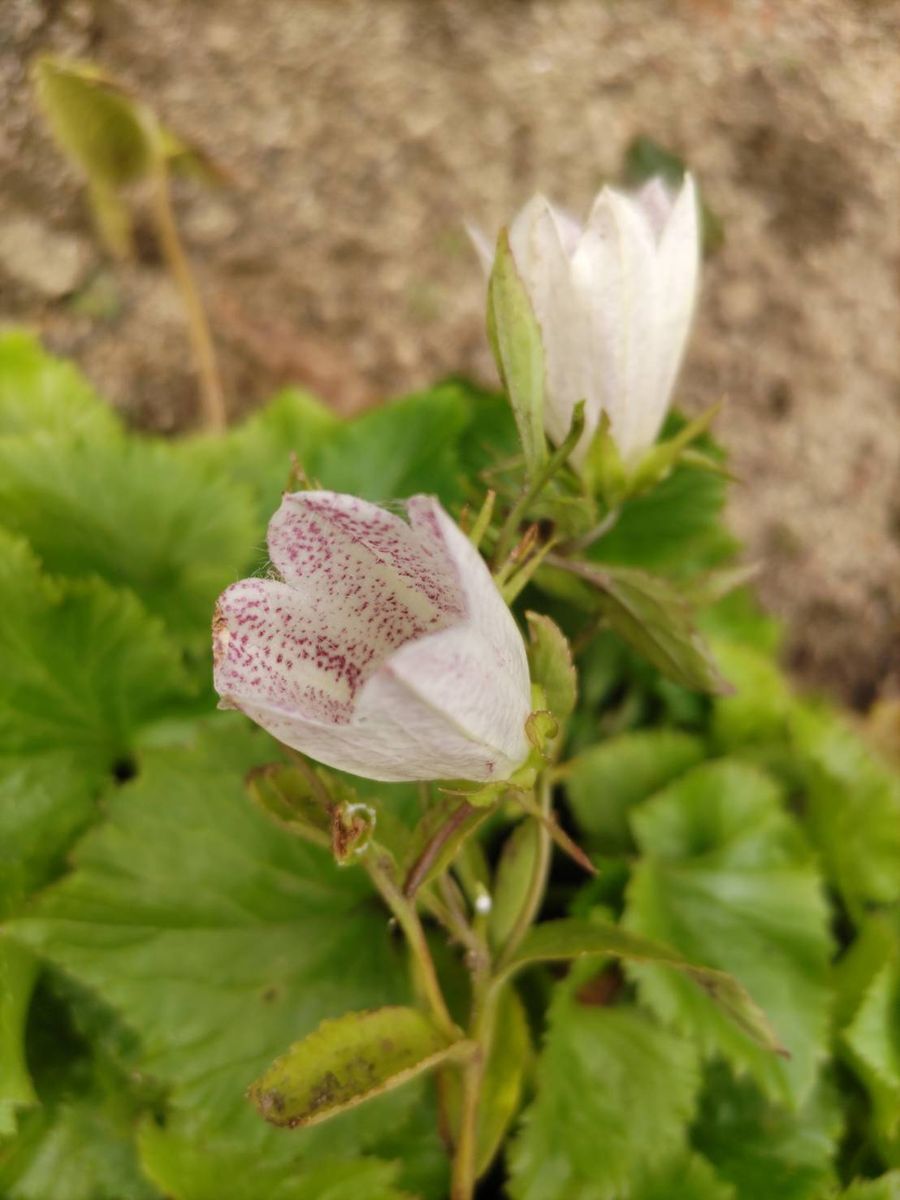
x: 614, y: 301
x: 384, y: 649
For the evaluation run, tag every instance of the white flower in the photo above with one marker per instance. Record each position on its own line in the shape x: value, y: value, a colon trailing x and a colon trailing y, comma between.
x: 614, y: 301
x: 385, y: 650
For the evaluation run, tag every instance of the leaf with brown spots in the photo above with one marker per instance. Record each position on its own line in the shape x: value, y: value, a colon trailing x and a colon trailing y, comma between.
x: 347, y: 1061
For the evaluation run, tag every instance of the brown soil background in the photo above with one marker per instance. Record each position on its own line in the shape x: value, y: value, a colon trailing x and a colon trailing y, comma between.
x: 361, y: 135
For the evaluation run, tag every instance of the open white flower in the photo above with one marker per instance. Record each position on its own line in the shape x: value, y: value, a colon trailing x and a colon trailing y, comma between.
x: 384, y: 650
x: 614, y: 301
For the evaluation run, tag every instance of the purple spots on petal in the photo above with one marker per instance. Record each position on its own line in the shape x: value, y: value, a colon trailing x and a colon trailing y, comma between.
x: 359, y: 584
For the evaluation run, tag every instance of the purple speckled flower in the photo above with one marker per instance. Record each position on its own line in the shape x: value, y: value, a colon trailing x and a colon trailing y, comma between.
x: 384, y: 650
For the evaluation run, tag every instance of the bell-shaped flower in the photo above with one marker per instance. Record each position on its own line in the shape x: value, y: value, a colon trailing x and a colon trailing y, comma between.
x: 614, y: 301
x: 384, y: 649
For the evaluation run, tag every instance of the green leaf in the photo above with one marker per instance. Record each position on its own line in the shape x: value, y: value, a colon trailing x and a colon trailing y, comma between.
x: 349, y: 1060
x: 103, y: 130
x: 764, y: 1149
x: 133, y: 512
x: 220, y: 938
x: 686, y: 1177
x: 607, y: 780
x: 45, y: 801
x: 84, y: 666
x: 675, y: 528
x: 552, y: 667
x: 655, y: 619
x: 404, y: 447
x: 758, y: 710
x: 727, y: 879
x: 513, y: 880
x: 515, y: 338
x: 258, y: 454
x: 185, y: 1169
x: 82, y: 1150
x: 614, y: 1096
x: 39, y: 393
x: 853, y: 807
x: 18, y: 970
x: 510, y: 1057
x: 574, y: 937
x: 78, y: 1143
x: 871, y: 1030
x: 887, y: 1187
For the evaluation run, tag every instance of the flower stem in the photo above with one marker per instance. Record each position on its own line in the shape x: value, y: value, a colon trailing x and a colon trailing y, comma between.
x: 487, y: 987
x: 481, y: 1032
x: 379, y: 868
x: 211, y: 396
x: 533, y: 489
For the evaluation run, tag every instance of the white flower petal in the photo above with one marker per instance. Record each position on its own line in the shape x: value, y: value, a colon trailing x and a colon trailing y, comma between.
x: 655, y: 201
x: 615, y: 274
x: 678, y: 264
x: 387, y: 652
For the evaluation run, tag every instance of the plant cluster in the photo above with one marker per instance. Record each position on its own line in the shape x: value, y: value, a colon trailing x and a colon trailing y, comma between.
x: 547, y: 878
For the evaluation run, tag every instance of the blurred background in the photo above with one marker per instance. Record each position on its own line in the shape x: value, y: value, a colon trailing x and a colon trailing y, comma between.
x: 357, y: 137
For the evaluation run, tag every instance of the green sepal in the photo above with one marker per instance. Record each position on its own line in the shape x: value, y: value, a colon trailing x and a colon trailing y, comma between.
x: 515, y: 339
x: 660, y: 460
x: 550, y: 658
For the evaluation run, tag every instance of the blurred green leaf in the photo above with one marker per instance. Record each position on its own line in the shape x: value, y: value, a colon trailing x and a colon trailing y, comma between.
x: 685, y: 1177
x: 676, y: 527
x: 40, y: 393
x: 187, y: 1169
x: 132, y: 512
x: 765, y: 1149
x: 853, y: 806
x: 574, y: 938
x: 85, y: 666
x: 614, y: 1096
x: 103, y: 130
x: 18, y: 970
x: 605, y: 781
x: 257, y: 454
x: 655, y: 619
x: 887, y: 1187
x: 406, y: 446
x: 726, y: 879
x: 869, y: 982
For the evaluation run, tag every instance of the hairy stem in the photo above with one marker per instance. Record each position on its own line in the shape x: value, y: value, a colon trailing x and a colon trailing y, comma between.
x: 481, y: 1032
x: 380, y: 872
x: 211, y: 395
x: 487, y: 987
x: 534, y: 488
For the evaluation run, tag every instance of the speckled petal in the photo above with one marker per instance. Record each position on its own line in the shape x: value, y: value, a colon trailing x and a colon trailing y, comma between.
x: 387, y: 651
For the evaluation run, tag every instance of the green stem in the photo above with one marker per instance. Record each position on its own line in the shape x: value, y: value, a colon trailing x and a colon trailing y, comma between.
x: 381, y: 874
x: 533, y: 489
x: 487, y: 987
x: 481, y: 1032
